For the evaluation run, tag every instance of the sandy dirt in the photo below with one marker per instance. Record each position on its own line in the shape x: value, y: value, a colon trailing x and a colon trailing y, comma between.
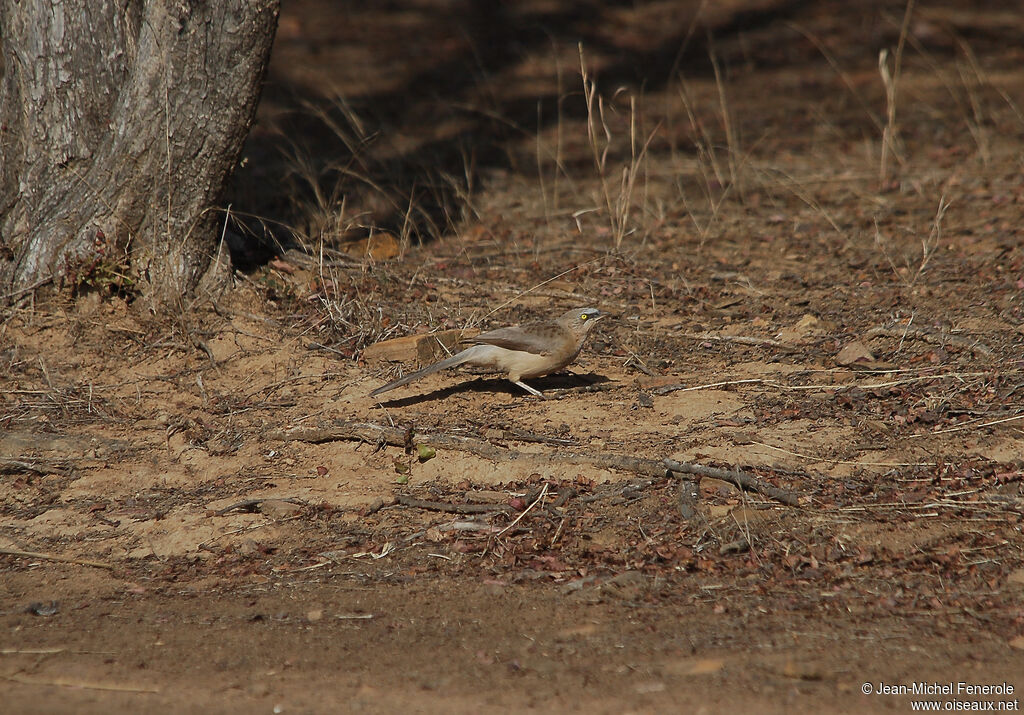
x: 207, y: 512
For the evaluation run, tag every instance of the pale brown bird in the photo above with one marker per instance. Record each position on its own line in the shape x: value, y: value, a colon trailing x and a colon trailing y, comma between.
x: 521, y: 352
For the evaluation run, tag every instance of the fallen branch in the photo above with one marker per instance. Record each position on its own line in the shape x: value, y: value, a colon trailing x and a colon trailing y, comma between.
x: 400, y: 437
x: 376, y: 505
x: 743, y: 480
x: 55, y: 557
x: 18, y: 466
x: 522, y: 436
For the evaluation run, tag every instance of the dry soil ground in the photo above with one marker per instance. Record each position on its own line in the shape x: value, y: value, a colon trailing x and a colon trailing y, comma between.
x: 213, y: 533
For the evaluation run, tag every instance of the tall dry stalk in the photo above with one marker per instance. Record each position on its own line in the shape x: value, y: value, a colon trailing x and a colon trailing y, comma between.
x: 731, y: 141
x: 890, y: 80
x: 721, y: 168
x: 617, y: 195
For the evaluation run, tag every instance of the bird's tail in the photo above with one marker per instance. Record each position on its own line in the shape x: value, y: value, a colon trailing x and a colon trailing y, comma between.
x: 456, y: 359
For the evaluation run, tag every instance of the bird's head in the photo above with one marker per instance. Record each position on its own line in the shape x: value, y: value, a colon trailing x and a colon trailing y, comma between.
x: 581, y: 320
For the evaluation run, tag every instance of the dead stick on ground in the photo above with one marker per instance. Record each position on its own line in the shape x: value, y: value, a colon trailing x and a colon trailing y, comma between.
x: 740, y: 339
x: 597, y: 387
x: 929, y: 337
x: 55, y: 557
x: 399, y: 437
x: 405, y: 500
x: 540, y: 498
x: 17, y: 466
x: 743, y: 480
x: 81, y: 684
x: 250, y: 505
x: 683, y: 387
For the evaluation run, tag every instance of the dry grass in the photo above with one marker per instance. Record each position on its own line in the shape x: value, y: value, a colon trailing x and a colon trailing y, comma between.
x: 890, y: 79
x: 617, y: 194
x: 914, y: 267
x: 723, y: 166
x: 354, y: 193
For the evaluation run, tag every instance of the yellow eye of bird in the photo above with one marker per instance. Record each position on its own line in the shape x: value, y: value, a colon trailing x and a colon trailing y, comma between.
x: 583, y: 316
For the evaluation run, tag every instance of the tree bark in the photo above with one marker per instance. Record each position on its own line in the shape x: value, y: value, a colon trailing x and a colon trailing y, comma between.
x: 120, y: 123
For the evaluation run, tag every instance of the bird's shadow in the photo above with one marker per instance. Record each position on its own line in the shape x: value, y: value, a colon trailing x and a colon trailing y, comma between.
x: 562, y: 381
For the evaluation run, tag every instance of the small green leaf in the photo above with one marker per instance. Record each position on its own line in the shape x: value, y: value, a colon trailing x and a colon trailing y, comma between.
x: 404, y: 479
x: 425, y: 452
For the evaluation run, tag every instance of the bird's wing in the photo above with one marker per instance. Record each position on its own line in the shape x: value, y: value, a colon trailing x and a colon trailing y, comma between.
x: 542, y: 339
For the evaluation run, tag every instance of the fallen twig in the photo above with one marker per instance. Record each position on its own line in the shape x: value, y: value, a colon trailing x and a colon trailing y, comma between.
x: 55, y: 557
x: 84, y: 684
x: 596, y: 387
x: 29, y: 289
x: 739, y: 339
x: 17, y: 466
x: 522, y: 436
x: 538, y: 500
x: 637, y: 365
x: 405, y: 500
x: 743, y: 480
x: 683, y: 387
x: 631, y: 490
x: 399, y: 437
x: 930, y: 337
x: 250, y: 505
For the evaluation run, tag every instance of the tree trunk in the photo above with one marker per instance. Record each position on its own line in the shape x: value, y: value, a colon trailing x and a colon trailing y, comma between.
x: 120, y: 123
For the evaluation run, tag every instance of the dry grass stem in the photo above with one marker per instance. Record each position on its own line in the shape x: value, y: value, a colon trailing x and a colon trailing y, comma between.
x: 890, y: 80
x: 538, y: 500
x: 617, y: 196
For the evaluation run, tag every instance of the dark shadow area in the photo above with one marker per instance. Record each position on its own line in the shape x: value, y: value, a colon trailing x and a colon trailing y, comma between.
x: 563, y: 381
x: 394, y: 110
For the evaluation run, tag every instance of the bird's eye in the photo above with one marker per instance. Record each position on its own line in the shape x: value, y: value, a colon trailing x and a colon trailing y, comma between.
x: 583, y: 316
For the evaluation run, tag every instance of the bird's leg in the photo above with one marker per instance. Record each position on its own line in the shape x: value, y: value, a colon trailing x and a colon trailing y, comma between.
x: 529, y: 389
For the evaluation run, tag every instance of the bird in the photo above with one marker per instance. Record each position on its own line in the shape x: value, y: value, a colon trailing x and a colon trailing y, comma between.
x: 521, y: 352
